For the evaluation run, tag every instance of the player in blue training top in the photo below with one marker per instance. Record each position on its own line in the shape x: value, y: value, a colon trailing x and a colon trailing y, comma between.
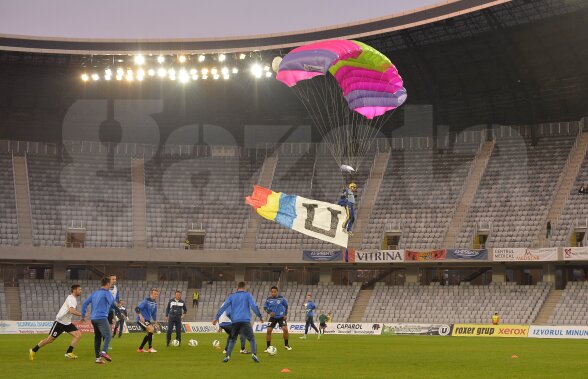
x: 348, y: 201
x: 277, y: 308
x: 310, y: 307
x: 147, y: 319
x: 241, y: 303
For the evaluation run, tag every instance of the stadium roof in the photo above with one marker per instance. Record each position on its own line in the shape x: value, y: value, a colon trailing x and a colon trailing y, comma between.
x: 519, y: 62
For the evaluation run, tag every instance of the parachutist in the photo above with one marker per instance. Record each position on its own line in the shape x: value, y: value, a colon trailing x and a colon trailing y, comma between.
x: 347, y: 200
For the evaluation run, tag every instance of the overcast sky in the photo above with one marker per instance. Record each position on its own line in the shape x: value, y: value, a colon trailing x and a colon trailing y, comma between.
x: 149, y: 19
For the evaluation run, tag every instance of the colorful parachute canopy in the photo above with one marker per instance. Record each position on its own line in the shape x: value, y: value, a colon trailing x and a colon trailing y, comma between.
x: 311, y: 217
x: 370, y: 83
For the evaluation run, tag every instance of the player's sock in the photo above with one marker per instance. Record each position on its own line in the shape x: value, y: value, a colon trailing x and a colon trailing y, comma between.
x: 286, y: 343
x: 69, y: 350
x: 267, y: 342
x: 150, y: 340
x: 145, y: 339
x: 36, y: 348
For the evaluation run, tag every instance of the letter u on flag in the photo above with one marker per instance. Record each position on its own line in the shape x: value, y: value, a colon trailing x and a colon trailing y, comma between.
x: 314, y: 218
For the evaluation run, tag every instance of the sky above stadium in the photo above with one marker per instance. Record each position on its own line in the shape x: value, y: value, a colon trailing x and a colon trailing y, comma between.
x: 149, y: 19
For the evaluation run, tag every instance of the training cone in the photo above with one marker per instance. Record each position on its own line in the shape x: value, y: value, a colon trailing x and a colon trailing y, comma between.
x: 515, y: 356
x: 285, y: 370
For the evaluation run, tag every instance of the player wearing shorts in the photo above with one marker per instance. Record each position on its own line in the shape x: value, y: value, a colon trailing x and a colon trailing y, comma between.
x: 63, y: 324
x: 146, y: 318
x: 277, y: 308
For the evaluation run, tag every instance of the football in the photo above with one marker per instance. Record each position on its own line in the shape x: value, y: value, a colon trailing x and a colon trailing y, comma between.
x: 216, y: 343
x: 175, y: 343
x: 272, y: 350
x: 193, y: 343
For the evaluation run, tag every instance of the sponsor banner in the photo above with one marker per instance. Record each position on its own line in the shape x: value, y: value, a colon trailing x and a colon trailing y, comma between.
x: 84, y: 327
x: 357, y: 328
x: 467, y: 254
x: 9, y: 327
x: 575, y: 253
x: 416, y: 329
x: 525, y: 255
x: 429, y: 255
x: 576, y: 332
x: 293, y: 328
x: 25, y: 327
x: 380, y: 256
x: 200, y: 327
x: 485, y: 330
x: 322, y: 255
x: 332, y: 328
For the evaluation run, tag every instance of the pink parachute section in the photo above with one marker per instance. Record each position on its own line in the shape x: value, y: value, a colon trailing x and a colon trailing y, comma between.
x: 291, y: 77
x: 371, y: 112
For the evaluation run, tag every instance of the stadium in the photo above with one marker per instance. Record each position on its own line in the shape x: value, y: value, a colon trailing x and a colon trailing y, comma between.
x: 426, y: 199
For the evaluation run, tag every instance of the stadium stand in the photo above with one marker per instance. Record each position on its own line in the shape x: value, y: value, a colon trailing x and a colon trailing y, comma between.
x: 516, y: 189
x: 312, y: 175
x: 41, y: 299
x: 203, y: 192
x: 83, y: 190
x: 516, y: 304
x: 8, y: 218
x: 571, y: 308
x: 329, y: 298
x: 575, y: 210
x: 419, y: 194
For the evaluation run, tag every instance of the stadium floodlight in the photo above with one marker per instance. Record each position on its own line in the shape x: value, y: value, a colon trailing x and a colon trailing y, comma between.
x: 193, y: 71
x: 184, y: 77
x: 214, y: 71
x: 235, y: 70
x: 95, y: 77
x: 171, y: 72
x: 242, y: 56
x: 160, y: 59
x: 204, y: 71
x: 85, y: 77
x: 108, y: 72
x: 161, y: 72
x: 266, y: 68
x: 215, y: 77
x: 256, y: 70
x: 201, y: 58
x: 194, y: 77
x: 222, y: 57
x: 119, y: 77
x: 107, y: 77
x: 225, y: 71
x: 226, y: 76
x: 204, y: 77
x: 139, y: 60
x: 268, y: 74
x: 140, y: 72
x: 182, y: 59
x: 151, y: 72
x: 120, y: 71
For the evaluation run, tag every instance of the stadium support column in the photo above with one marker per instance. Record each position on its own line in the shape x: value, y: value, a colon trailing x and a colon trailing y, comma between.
x: 240, y: 274
x: 326, y: 275
x: 152, y: 273
x: 59, y: 271
x: 498, y: 273
x: 549, y: 273
x: 412, y: 274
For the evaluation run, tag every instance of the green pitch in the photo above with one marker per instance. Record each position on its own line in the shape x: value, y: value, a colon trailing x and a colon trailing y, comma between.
x: 330, y: 357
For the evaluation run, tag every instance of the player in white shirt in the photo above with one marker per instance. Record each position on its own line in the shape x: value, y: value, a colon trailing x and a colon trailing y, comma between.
x: 63, y: 324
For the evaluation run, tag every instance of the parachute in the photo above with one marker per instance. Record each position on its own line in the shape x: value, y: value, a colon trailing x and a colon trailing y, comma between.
x: 350, y: 105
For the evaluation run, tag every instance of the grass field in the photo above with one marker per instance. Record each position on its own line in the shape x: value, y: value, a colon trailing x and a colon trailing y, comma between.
x: 330, y: 357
